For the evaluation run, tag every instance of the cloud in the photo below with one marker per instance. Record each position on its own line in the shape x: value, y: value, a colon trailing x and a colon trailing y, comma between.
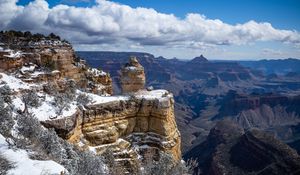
x: 271, y: 52
x: 110, y: 22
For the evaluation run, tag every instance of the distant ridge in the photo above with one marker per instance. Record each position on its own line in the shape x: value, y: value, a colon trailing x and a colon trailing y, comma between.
x: 200, y: 59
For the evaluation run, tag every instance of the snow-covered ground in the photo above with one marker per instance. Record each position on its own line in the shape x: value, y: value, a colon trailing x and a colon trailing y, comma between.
x: 12, y: 54
x: 47, y: 110
x: 13, y: 82
x: 97, y: 99
x: 97, y: 72
x: 154, y: 94
x: 23, y: 165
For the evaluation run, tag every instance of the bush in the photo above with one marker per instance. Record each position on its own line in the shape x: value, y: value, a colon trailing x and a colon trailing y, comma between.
x: 5, y: 93
x: 83, y: 99
x: 62, y: 100
x: 48, y: 143
x: 50, y: 64
x: 50, y: 89
x: 164, y: 166
x: 5, y: 165
x: 31, y: 99
x: 6, y: 120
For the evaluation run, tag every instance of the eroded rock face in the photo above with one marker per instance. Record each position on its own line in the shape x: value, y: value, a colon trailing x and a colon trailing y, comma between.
x: 132, y: 76
x: 129, y: 128
x: 229, y: 149
x: 54, y: 64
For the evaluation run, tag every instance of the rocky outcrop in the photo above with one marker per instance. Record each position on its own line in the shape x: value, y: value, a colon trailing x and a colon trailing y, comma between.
x: 51, y: 60
x: 130, y: 127
x: 132, y: 76
x: 230, y: 150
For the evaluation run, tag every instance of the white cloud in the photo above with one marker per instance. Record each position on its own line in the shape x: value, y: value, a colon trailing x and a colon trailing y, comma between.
x: 110, y: 22
x: 8, y: 11
x: 271, y: 52
x: 31, y: 17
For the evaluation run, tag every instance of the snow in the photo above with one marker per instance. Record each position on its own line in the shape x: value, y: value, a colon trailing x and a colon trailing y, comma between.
x: 55, y: 72
x: 131, y: 68
x: 13, y: 54
x: 18, y: 104
x: 97, y: 99
x: 72, y: 110
x: 97, y: 72
x: 12, y: 82
x: 23, y: 165
x: 154, y: 94
x: 47, y: 110
x: 44, y: 112
x: 37, y: 73
x: 28, y: 68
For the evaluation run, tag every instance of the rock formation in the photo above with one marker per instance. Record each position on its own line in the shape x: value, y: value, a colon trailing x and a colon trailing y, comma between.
x: 230, y: 150
x: 132, y: 76
x: 52, y: 61
x: 129, y: 127
x: 132, y: 127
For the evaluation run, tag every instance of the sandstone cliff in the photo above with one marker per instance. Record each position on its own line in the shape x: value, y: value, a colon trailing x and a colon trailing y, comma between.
x: 51, y: 61
x: 133, y: 127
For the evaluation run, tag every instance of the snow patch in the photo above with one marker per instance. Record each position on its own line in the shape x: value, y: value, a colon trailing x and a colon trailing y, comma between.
x: 132, y: 68
x: 97, y: 99
x: 13, y: 54
x: 18, y: 104
x: 154, y: 94
x: 12, y: 82
x: 24, y: 165
x: 96, y: 72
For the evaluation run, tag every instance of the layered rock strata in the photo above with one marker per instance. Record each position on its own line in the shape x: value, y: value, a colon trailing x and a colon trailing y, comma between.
x: 130, y: 127
x: 44, y: 63
x: 133, y: 126
x: 132, y: 76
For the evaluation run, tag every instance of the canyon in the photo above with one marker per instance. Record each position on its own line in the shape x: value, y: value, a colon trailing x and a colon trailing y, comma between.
x: 132, y: 126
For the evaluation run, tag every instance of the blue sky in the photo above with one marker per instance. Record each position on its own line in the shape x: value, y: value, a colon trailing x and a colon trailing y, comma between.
x: 273, y: 30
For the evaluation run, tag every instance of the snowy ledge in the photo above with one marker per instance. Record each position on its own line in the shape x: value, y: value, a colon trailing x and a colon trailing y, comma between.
x: 23, y: 164
x: 48, y: 109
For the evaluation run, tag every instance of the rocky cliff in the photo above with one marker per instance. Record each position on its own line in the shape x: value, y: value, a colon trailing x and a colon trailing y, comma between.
x: 76, y: 102
x: 50, y: 60
x: 132, y: 127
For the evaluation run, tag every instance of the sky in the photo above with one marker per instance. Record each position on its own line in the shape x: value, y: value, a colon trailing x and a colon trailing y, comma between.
x: 218, y: 29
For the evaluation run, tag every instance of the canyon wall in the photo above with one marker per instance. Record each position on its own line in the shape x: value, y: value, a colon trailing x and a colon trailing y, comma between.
x: 135, y: 126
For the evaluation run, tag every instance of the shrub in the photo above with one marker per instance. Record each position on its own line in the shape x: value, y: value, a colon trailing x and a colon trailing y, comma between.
x: 31, y: 99
x: 50, y: 64
x: 83, y: 99
x: 50, y: 89
x: 62, y: 100
x: 164, y: 166
x: 6, y: 120
x: 5, y: 165
x: 5, y: 93
x: 47, y: 142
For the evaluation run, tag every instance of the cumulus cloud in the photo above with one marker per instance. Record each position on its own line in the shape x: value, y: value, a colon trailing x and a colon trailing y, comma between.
x: 110, y: 22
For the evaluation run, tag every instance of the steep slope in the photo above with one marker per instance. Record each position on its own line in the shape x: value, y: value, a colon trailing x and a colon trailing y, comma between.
x: 230, y: 150
x: 48, y: 84
x: 199, y: 87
